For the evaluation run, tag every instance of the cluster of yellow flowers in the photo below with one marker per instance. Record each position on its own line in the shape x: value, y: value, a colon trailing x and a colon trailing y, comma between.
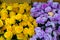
x: 15, y: 20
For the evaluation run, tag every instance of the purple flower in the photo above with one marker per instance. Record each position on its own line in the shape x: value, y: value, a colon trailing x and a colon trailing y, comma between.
x: 41, y: 20
x: 55, y: 35
x: 35, y: 4
x: 40, y: 34
x: 33, y: 10
x: 37, y: 14
x: 37, y: 29
x: 47, y: 37
x: 58, y: 31
x: 59, y: 6
x: 48, y: 23
x: 55, y: 4
x: 40, y: 12
x: 59, y: 11
x: 32, y: 38
x: 44, y: 5
x: 39, y: 6
x: 54, y: 10
x: 49, y: 30
x: 48, y: 9
x: 59, y: 22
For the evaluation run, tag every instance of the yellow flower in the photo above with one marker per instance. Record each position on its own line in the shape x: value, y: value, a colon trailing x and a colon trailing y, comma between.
x: 23, y: 23
x: 31, y: 32
x: 4, y: 5
x: 8, y: 34
x: 7, y: 21
x: 25, y: 38
x: 9, y: 28
x: 2, y: 38
x: 20, y: 36
x: 4, y: 14
x: 1, y: 23
x: 18, y: 16
x: 25, y: 31
x: 28, y: 9
x: 12, y: 20
x: 21, y: 6
x: 31, y: 19
x: 25, y: 5
x: 12, y: 14
x: 18, y: 29
x: 25, y: 17
x: 34, y: 23
x: 13, y: 29
x: 21, y: 10
x: 9, y: 7
x: 15, y: 5
x: 30, y: 24
x: 15, y: 10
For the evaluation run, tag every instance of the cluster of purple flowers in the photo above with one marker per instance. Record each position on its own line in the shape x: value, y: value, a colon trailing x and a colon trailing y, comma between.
x: 47, y: 16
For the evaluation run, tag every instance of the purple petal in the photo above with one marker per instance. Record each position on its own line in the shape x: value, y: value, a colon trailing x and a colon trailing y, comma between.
x: 48, y: 9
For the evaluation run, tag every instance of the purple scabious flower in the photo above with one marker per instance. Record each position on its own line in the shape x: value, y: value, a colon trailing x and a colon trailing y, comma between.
x: 47, y: 36
x: 37, y: 30
x: 41, y: 20
x: 49, y: 30
x: 55, y: 5
x: 44, y: 5
x: 33, y: 10
x: 48, y: 9
x: 35, y: 4
x: 47, y: 17
x: 55, y: 35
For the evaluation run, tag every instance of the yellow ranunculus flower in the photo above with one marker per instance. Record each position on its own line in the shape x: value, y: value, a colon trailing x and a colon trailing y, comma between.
x: 18, y: 29
x: 4, y: 5
x: 25, y: 38
x: 28, y: 9
x: 18, y: 16
x: 9, y: 28
x: 29, y: 24
x: 25, y: 17
x: 23, y: 23
x: 25, y: 31
x: 4, y: 14
x: 21, y: 6
x: 31, y: 19
x: 20, y: 36
x: 2, y: 38
x: 12, y: 20
x: 11, y: 14
x: 15, y: 5
x: 8, y: 34
x: 1, y: 23
x: 31, y: 32
x: 25, y: 4
x: 16, y: 20
x: 34, y: 23
x: 21, y: 10
x: 9, y: 7
x: 7, y: 21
